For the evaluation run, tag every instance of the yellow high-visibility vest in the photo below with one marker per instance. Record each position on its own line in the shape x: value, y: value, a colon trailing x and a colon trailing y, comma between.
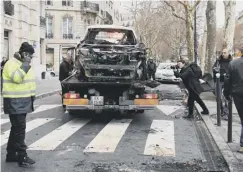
x: 17, y: 83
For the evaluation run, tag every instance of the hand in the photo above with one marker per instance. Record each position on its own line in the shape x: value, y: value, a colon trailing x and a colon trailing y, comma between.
x: 27, y: 59
x: 176, y: 73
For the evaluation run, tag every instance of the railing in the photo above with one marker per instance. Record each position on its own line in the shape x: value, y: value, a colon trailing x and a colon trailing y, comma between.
x: 90, y: 6
x: 49, y: 35
x: 8, y: 8
x: 67, y: 36
x: 42, y: 21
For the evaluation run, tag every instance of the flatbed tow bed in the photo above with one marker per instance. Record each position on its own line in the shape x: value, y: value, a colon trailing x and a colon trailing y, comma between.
x: 74, y: 101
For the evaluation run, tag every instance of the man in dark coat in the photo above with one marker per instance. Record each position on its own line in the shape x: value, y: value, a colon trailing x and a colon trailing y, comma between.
x: 234, y: 86
x: 65, y: 70
x: 151, y: 68
x: 192, y: 84
x: 19, y: 89
x: 222, y: 62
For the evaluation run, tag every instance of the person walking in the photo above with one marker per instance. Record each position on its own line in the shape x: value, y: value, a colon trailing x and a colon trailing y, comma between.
x: 233, y: 86
x: 222, y: 63
x: 19, y: 89
x: 192, y: 84
x: 65, y: 70
x: 151, y: 69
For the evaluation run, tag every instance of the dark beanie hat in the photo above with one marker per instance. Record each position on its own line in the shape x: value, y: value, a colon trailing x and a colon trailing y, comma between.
x: 26, y: 47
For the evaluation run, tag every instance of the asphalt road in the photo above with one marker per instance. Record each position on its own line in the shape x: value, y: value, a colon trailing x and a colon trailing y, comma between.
x: 157, y: 140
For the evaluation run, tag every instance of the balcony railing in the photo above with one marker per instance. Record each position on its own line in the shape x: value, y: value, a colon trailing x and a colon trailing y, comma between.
x: 67, y: 36
x: 8, y: 8
x: 42, y: 21
x: 49, y: 35
x: 90, y: 6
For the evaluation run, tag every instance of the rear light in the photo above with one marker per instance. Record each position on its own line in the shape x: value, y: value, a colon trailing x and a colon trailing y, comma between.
x: 72, y: 95
x: 150, y: 96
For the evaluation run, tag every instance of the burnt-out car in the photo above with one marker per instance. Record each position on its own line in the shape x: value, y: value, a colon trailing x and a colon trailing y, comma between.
x: 109, y: 72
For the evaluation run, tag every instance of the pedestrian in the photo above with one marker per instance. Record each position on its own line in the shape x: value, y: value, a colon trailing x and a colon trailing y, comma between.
x: 222, y: 63
x: 151, y: 69
x: 191, y: 82
x: 19, y: 89
x: 65, y: 70
x: 234, y: 87
x: 2, y: 65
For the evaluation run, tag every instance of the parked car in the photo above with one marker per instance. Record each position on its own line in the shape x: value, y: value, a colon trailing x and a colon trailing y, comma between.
x: 164, y: 73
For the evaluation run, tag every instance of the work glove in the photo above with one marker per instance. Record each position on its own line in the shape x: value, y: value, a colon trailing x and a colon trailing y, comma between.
x: 26, y: 63
x: 176, y: 73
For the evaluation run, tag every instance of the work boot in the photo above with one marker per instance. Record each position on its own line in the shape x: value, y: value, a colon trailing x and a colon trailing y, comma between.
x: 205, y: 112
x: 25, y: 161
x: 11, y: 157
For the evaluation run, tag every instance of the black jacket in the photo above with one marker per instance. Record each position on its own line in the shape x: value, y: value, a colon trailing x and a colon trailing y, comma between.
x: 233, y: 84
x: 189, y: 79
x: 223, y: 64
x: 151, y: 67
x: 64, y: 70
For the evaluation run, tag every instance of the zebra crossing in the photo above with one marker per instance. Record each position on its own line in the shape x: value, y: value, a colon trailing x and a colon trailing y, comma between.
x: 160, y: 139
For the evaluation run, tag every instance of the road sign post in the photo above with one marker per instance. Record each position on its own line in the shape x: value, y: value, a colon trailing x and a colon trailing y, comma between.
x: 218, y: 97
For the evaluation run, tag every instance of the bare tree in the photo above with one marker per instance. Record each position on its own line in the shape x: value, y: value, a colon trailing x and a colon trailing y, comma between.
x: 229, y: 26
x: 188, y: 19
x: 211, y: 34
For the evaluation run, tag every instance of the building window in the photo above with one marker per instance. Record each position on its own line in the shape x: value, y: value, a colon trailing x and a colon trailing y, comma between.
x: 49, y: 2
x: 67, y: 3
x: 49, y: 23
x: 67, y: 28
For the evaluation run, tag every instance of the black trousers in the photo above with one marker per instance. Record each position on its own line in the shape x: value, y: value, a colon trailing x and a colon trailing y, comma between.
x: 151, y: 74
x: 16, y: 138
x: 238, y: 100
x: 195, y: 97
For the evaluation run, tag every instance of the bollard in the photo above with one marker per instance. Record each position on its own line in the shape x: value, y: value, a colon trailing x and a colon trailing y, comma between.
x: 218, y: 96
x: 230, y: 118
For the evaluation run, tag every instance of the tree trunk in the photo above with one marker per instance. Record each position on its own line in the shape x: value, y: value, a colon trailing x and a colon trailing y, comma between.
x: 189, y: 34
x: 211, y: 34
x: 203, y: 48
x: 229, y: 26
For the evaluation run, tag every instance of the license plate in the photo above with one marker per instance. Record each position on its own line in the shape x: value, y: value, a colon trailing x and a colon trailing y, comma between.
x: 97, y: 100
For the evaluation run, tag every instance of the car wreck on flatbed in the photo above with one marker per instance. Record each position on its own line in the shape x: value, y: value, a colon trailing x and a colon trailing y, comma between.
x: 109, y: 72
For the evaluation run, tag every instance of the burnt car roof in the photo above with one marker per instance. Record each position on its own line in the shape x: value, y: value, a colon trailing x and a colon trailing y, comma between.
x: 109, y: 27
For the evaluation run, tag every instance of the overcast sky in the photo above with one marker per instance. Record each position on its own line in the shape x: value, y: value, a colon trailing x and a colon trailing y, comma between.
x: 220, y: 11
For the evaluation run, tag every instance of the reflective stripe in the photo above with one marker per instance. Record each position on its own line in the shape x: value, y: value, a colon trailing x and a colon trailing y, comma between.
x: 18, y: 92
x: 23, y: 82
x: 20, y: 73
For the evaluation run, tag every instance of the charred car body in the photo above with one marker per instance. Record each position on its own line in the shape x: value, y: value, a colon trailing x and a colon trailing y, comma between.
x: 109, y: 72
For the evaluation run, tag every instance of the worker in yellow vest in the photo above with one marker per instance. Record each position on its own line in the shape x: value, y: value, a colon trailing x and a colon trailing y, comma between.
x: 18, y: 97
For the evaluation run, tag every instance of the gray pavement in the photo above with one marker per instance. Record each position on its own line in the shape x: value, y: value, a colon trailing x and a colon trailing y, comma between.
x: 157, y: 140
x: 219, y: 133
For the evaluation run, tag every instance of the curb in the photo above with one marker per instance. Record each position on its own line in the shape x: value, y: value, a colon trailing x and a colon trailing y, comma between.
x: 220, y: 142
x: 41, y: 96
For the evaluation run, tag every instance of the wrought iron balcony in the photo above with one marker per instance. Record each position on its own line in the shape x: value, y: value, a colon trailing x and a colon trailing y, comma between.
x: 67, y: 36
x: 90, y: 7
x: 42, y: 21
x: 8, y: 8
x: 49, y: 35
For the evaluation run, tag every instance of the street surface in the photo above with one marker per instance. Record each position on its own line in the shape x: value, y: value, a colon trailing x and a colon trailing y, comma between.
x: 157, y: 140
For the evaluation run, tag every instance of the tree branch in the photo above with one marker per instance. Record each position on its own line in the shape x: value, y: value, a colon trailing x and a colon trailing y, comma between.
x: 174, y: 11
x: 195, y: 5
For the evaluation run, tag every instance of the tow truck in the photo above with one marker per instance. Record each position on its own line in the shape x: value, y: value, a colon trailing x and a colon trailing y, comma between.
x: 109, y: 73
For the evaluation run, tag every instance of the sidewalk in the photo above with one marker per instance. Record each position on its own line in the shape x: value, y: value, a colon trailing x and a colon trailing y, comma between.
x: 46, y: 87
x: 228, y: 150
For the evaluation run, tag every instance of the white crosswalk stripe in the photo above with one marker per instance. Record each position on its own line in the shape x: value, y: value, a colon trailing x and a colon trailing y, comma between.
x: 160, y: 141
x: 45, y: 107
x: 168, y: 109
x: 56, y: 137
x: 108, y: 138
x: 29, y: 126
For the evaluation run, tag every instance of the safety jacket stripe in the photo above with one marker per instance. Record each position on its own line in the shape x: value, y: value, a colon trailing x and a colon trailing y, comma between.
x: 18, y: 92
x: 23, y: 82
x: 20, y: 73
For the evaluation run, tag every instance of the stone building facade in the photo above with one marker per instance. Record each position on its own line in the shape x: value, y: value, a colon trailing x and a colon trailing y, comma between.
x: 67, y: 21
x: 23, y: 21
